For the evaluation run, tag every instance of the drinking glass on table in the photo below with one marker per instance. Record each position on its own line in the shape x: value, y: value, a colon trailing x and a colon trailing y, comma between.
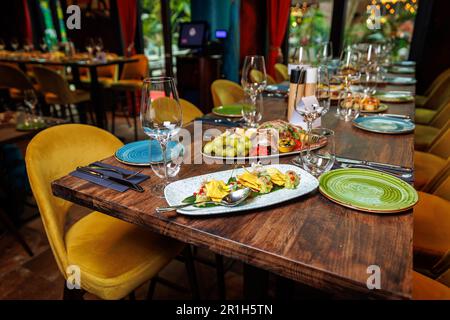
x: 318, y: 161
x: 31, y: 101
x: 15, y: 44
x: 99, y: 45
x: 43, y: 45
x: 2, y: 45
x: 161, y: 117
x: 254, y: 81
x: 90, y: 47
x: 325, y: 54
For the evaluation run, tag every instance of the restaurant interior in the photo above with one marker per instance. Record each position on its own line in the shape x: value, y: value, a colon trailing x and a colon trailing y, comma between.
x: 225, y: 150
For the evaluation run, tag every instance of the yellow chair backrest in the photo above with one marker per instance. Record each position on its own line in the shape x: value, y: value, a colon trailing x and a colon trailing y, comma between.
x: 190, y: 111
x: 441, y: 185
x: 441, y: 146
x: 226, y: 92
x: 12, y: 77
x: 136, y: 70
x: 111, y: 71
x: 439, y: 96
x: 437, y: 82
x: 281, y: 73
x: 442, y: 116
x: 257, y: 76
x: 51, y: 81
x: 52, y: 154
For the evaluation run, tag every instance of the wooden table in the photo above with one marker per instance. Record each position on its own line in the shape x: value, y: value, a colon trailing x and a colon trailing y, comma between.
x: 310, y: 240
x: 94, y: 87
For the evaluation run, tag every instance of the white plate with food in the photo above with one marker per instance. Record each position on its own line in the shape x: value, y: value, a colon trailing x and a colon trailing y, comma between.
x: 271, y: 185
x: 270, y: 140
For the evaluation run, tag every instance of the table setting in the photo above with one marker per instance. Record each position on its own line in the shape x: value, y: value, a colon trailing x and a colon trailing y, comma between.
x: 336, y: 164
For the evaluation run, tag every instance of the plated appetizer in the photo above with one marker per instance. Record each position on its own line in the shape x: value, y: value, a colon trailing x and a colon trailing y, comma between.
x: 367, y: 104
x: 270, y: 138
x: 261, y: 180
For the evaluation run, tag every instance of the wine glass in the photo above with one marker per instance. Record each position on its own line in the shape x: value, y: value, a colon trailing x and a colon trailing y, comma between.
x: 2, y: 45
x: 99, y: 45
x: 369, y: 81
x: 318, y: 161
x: 90, y: 47
x: 161, y: 117
x: 321, y: 104
x: 254, y: 81
x: 15, y: 44
x: 325, y: 54
x: 350, y: 105
x: 30, y: 99
x: 43, y: 45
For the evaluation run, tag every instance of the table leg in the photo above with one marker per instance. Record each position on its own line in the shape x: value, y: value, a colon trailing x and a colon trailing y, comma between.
x: 96, y: 99
x: 256, y: 282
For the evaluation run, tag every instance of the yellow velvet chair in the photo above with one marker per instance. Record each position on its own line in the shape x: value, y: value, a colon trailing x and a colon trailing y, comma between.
x: 425, y: 136
x: 15, y: 80
x: 106, y: 75
x: 114, y: 257
x: 281, y: 73
x: 190, y: 111
x: 433, y: 117
x: 131, y: 81
x: 226, y: 92
x: 428, y: 165
x: 422, y: 101
x: 425, y: 288
x: 257, y: 76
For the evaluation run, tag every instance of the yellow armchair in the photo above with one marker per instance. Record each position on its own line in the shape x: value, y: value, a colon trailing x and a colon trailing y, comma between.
x: 190, y: 111
x: 430, y: 99
x: 114, y: 257
x: 226, y: 92
x: 281, y: 73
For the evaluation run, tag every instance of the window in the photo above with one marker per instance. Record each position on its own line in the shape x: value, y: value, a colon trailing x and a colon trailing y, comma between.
x: 382, y: 20
x: 309, y: 23
x: 153, y: 29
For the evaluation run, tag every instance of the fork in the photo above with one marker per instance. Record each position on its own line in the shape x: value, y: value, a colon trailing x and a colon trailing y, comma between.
x: 124, y: 175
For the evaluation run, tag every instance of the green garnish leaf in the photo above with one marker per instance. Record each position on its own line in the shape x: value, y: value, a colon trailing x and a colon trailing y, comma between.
x: 189, y: 200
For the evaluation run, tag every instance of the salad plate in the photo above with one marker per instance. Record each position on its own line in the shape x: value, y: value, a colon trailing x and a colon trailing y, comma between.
x: 143, y: 153
x: 229, y: 110
x: 402, y: 70
x: 395, y: 96
x: 368, y: 190
x: 387, y: 125
x: 401, y: 81
x: 176, y: 192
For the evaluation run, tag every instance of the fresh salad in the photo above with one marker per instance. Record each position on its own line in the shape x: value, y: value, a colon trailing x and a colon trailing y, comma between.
x: 260, y: 180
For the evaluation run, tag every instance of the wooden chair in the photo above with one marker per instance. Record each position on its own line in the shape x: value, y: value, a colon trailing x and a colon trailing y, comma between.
x: 226, y: 92
x: 131, y: 81
x: 57, y: 91
x: 114, y: 257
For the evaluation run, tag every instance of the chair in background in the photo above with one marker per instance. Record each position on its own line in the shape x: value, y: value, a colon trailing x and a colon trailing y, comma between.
x: 439, y: 96
x: 281, y: 73
x: 429, y: 164
x: 425, y: 288
x: 131, y: 81
x: 426, y: 135
x: 421, y: 101
x: 106, y: 75
x: 257, y: 76
x: 57, y: 91
x: 115, y: 257
x: 190, y: 111
x: 431, y: 117
x: 226, y: 92
x: 15, y: 80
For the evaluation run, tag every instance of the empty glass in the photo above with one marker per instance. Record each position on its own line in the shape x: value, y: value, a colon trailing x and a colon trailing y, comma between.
x: 161, y: 117
x: 325, y: 54
x: 321, y: 160
x: 2, y: 45
x: 43, y: 45
x: 349, y: 105
x: 90, y: 47
x: 15, y: 44
x: 254, y: 81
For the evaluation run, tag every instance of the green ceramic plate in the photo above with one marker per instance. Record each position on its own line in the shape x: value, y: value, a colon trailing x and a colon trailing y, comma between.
x: 395, y: 96
x: 229, y: 110
x: 368, y: 190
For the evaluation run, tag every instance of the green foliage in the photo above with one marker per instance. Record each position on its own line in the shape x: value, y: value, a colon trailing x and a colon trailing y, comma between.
x: 313, y: 29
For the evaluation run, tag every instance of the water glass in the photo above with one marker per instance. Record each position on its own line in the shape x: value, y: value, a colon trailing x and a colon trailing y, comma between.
x: 321, y: 160
x: 161, y: 117
x: 349, y: 105
x: 174, y: 160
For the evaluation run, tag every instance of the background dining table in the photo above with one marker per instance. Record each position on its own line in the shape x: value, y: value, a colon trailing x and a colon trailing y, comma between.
x: 95, y: 87
x: 310, y: 240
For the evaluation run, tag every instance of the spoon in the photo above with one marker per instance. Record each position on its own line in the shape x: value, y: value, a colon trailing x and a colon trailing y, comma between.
x: 234, y: 199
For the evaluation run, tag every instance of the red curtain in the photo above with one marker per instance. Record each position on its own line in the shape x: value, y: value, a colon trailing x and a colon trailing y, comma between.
x: 128, y: 15
x: 278, y: 15
x: 28, y: 30
x: 249, y: 23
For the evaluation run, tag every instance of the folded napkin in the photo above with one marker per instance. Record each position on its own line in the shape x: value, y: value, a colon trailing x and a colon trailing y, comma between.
x: 107, y: 183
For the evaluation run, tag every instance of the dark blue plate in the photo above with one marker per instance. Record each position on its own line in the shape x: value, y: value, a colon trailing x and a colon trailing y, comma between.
x: 385, y: 125
x: 142, y: 153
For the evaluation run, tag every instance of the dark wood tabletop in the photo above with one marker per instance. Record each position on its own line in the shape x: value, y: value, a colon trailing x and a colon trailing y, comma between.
x: 310, y: 240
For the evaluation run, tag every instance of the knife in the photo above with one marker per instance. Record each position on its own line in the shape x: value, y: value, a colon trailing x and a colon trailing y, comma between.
x: 94, y: 173
x: 375, y: 164
x: 223, y: 122
x: 400, y: 116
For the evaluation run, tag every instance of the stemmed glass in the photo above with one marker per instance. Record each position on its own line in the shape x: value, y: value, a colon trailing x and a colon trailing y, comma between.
x: 161, y: 117
x: 90, y: 47
x: 2, y: 45
x: 31, y: 101
x: 325, y: 54
x: 15, y: 44
x: 321, y: 160
x: 43, y: 45
x: 254, y: 81
x: 321, y: 92
x: 99, y: 45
